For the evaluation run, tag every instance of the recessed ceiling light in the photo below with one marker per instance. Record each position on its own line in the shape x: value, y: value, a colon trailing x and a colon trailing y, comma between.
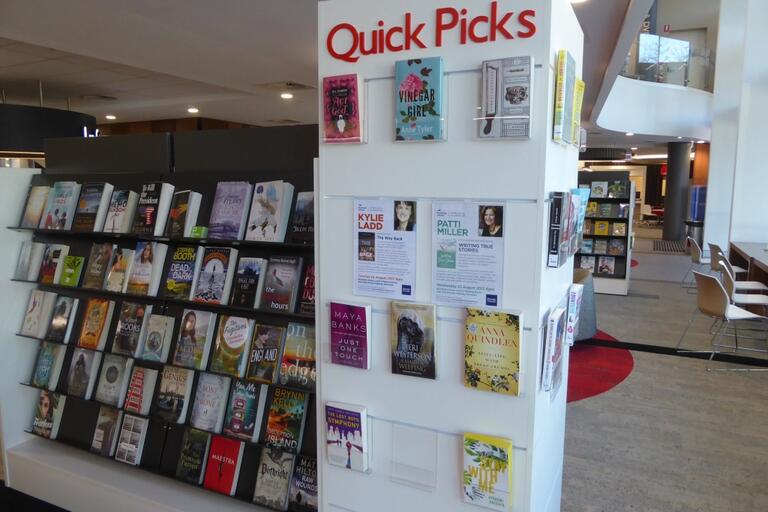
x: 287, y: 96
x: 633, y: 148
x: 700, y: 142
x: 193, y: 110
x: 629, y: 134
x: 679, y: 137
x: 110, y: 117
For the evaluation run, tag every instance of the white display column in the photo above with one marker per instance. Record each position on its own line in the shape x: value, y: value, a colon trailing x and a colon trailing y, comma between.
x: 421, y: 416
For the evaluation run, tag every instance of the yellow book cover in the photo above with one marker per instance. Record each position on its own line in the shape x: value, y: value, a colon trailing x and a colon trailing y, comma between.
x: 492, y: 351
x: 487, y: 475
x: 94, y: 322
x: 601, y: 227
x: 578, y: 100
x: 593, y: 210
x: 557, y: 132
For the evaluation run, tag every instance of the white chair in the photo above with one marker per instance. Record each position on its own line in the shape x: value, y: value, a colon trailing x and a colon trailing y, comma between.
x: 721, y: 264
x: 743, y: 299
x: 698, y: 261
x: 645, y: 212
x: 716, y: 249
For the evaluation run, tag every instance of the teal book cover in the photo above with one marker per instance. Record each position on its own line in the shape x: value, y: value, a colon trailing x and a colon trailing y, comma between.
x: 419, y: 99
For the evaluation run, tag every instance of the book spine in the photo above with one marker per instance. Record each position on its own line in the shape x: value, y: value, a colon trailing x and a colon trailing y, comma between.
x: 555, y: 209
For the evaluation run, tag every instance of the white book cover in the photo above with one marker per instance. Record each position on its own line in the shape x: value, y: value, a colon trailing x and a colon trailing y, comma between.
x: 155, y: 341
x: 122, y: 207
x: 553, y: 349
x: 147, y: 269
x: 270, y: 210
x: 215, y: 270
x: 36, y: 252
x: 210, y: 402
x: 38, y: 314
x: 130, y: 443
x: 346, y: 435
x: 113, y: 380
x: 574, y: 309
x: 164, y: 208
x: 22, y: 263
x: 141, y: 389
x: 106, y: 432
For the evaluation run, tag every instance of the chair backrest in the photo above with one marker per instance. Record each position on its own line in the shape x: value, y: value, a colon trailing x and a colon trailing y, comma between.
x: 727, y: 281
x: 711, y: 297
x: 714, y: 262
x: 645, y: 209
x: 725, y: 265
x: 695, y: 250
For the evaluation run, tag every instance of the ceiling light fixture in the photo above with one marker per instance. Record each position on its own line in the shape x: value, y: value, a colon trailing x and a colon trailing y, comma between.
x: 700, y: 142
x: 629, y: 134
x: 110, y: 117
x: 287, y: 96
x: 633, y: 148
x: 193, y: 110
x: 679, y: 137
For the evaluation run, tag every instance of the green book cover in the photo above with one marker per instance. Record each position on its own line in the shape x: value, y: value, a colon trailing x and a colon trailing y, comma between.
x: 73, y: 267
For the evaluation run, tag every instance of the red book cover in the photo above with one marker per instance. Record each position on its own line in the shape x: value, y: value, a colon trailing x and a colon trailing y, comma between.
x: 342, y: 121
x: 223, y: 466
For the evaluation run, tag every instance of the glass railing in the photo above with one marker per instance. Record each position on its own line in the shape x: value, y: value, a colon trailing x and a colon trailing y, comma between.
x: 670, y: 61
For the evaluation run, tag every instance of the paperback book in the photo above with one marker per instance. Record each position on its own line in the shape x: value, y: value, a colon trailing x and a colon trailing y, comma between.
x: 38, y: 314
x: 606, y: 265
x: 50, y: 359
x: 122, y: 208
x: 152, y: 209
x: 487, y: 471
x: 492, y: 351
x: 346, y: 436
x: 37, y: 198
x: 619, y: 229
x: 506, y: 101
x: 413, y: 339
x: 81, y: 378
x: 587, y: 246
x: 210, y: 402
x: 113, y: 380
x: 223, y: 467
x: 575, y: 293
x: 266, y: 351
x: 98, y: 266
x: 342, y: 109
x: 281, y: 285
x: 307, y: 298
x: 618, y: 189
x: 302, y: 494
x: 195, y: 338
x: 600, y: 247
x: 601, y: 227
x: 553, y: 350
x: 249, y: 282
x: 95, y: 325
x: 181, y: 272
x: 141, y: 388
x: 52, y: 266
x: 147, y: 268
x: 419, y: 99
x: 245, y: 411
x: 182, y: 216
x: 119, y: 270
x: 62, y: 321
x: 270, y: 210
x: 298, y: 365
x: 72, y: 269
x: 173, y: 395
x: 598, y: 190
x: 192, y: 458
x: 214, y: 271
x: 303, y: 223
x: 564, y: 88
x: 230, y: 353
x: 91, y: 211
x: 104, y: 439
x: 130, y: 325
x: 350, y: 334
x: 587, y: 263
x: 30, y: 259
x: 48, y: 411
x: 155, y: 339
x: 130, y: 443
x: 616, y: 247
x: 286, y: 418
x: 273, y: 478
x: 230, y: 210
x: 60, y: 206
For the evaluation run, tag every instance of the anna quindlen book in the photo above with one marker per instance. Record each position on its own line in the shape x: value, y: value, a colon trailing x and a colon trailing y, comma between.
x: 307, y: 298
x: 413, y: 340
x: 104, y: 439
x: 98, y: 265
x: 60, y: 206
x: 38, y: 314
x: 181, y: 272
x: 152, y: 209
x: 190, y: 467
x: 342, y: 109
x: 230, y: 352
x: 223, y: 467
x: 141, y: 388
x: 48, y: 411
x: 273, y: 477
x: 64, y: 311
x: 249, y: 282
x: 346, y: 436
x: 52, y: 265
x: 147, y: 268
x: 419, y: 99
x: 95, y: 325
x: 303, y: 221
x: 113, y: 380
x: 50, y: 359
x: 298, y: 365
x: 230, y: 210
x: 245, y: 411
x: 492, y: 351
x: 172, y: 399
x: 302, y: 493
x: 37, y: 197
x: 214, y: 272
x: 122, y: 208
x: 270, y: 210
x: 487, y: 474
x: 195, y: 338
x: 350, y: 334
x: 91, y: 211
x: 281, y: 285
x: 82, y: 373
x: 155, y: 339
x: 266, y: 350
x: 130, y: 443
x: 72, y: 269
x: 130, y: 325
x: 286, y: 418
x: 210, y: 402
x: 119, y: 270
x: 182, y: 216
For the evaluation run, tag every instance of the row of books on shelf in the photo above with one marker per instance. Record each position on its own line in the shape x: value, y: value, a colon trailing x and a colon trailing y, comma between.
x: 601, y: 265
x: 211, y: 275
x: 611, y: 189
x: 597, y: 210
x: 229, y: 345
x: 284, y: 480
x: 609, y: 246
x: 605, y: 228
x: 240, y: 210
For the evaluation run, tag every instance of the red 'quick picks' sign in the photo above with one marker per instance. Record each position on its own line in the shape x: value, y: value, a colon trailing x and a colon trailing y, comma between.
x: 448, y: 22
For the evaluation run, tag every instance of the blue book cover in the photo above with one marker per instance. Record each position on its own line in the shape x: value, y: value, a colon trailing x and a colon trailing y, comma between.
x: 419, y: 99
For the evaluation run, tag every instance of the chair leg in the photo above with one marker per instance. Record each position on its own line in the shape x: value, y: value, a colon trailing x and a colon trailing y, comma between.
x: 736, y: 334
x: 738, y: 369
x: 685, y: 331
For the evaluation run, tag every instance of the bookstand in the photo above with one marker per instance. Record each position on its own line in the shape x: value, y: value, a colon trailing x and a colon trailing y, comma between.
x: 36, y: 465
x: 520, y: 174
x: 619, y: 227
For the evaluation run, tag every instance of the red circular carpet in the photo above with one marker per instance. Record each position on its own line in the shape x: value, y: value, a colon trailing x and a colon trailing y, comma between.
x: 634, y: 263
x: 595, y: 370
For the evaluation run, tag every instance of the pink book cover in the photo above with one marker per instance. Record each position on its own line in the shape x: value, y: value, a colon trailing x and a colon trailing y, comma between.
x: 349, y: 335
x: 341, y: 109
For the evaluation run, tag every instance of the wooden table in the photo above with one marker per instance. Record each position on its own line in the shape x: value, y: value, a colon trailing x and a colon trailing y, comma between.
x: 752, y: 256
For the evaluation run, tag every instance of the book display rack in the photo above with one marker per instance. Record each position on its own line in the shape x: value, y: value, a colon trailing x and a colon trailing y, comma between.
x: 163, y: 448
x: 606, y: 249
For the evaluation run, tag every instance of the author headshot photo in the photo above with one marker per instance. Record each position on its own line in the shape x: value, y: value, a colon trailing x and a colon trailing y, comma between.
x: 405, y: 215
x: 491, y: 220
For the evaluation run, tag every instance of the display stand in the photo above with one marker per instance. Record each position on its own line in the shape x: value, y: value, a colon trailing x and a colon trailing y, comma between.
x: 57, y: 471
x: 428, y: 417
x: 616, y: 282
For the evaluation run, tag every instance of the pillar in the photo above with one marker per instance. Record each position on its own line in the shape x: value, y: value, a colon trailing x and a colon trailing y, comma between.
x: 678, y: 184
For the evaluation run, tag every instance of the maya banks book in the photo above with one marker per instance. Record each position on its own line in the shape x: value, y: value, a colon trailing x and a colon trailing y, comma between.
x: 350, y: 328
x: 419, y: 99
x: 492, y: 351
